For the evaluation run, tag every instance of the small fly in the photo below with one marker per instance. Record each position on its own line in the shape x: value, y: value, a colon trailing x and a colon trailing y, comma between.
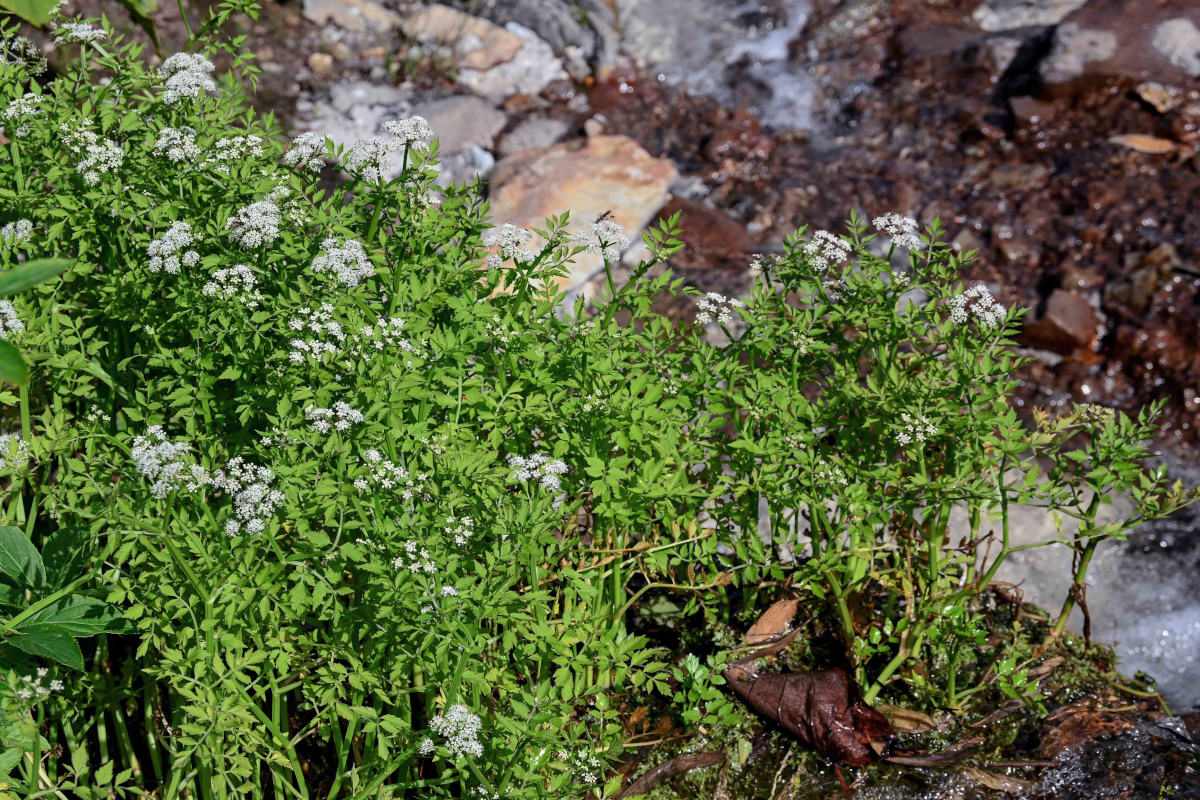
x: 602, y: 217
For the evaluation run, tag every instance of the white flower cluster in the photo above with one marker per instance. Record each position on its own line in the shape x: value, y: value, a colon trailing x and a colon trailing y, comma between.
x: 460, y: 529
x: 368, y: 160
x: 21, y: 52
x: 78, y: 32
x: 827, y: 474
x: 338, y: 418
x: 413, y: 132
x: 348, y: 261
x: 31, y: 686
x: 389, y: 475
x: 916, y: 427
x: 177, y: 144
x: 511, y: 241
x: 15, y: 233
x: 170, y: 250
x: 538, y: 467
x: 165, y: 463
x: 21, y: 111
x: 235, y: 283
x: 306, y: 152
x: 414, y: 559
x: 324, y: 335
x: 825, y: 249
x: 254, y: 499
x: 230, y: 149
x: 14, y: 451
x: 185, y: 75
x: 716, y: 307
x: 976, y: 302
x: 383, y: 334
x: 10, y: 323
x: 100, y: 156
x: 255, y: 225
x: 902, y: 229
x: 605, y: 237
x: 460, y: 728
x: 584, y: 764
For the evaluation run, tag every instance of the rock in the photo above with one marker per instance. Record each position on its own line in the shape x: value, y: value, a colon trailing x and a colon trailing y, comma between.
x: 584, y: 32
x: 476, y: 43
x: 465, y: 166
x: 1011, y: 177
x: 320, y: 63
x: 532, y: 133
x: 353, y: 15
x: 527, y: 72
x: 1134, y: 40
x: 354, y: 110
x: 1145, y: 274
x: 586, y: 177
x: 462, y: 121
x: 1005, y: 15
x: 1067, y: 324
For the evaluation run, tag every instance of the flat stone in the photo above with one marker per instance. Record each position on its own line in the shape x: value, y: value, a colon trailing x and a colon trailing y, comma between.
x: 528, y: 72
x: 533, y: 133
x: 353, y: 15
x: 465, y: 166
x: 476, y: 43
x: 587, y: 178
x: 1067, y: 324
x: 320, y: 63
x: 462, y: 121
x: 1006, y: 15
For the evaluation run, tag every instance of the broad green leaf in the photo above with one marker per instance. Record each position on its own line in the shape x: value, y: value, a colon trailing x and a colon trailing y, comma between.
x: 19, y: 559
x: 48, y: 641
x: 37, y: 12
x: 31, y: 273
x: 12, y: 364
x: 78, y: 615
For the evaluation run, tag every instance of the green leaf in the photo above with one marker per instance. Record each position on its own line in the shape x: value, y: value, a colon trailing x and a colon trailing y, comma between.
x: 19, y: 559
x: 78, y: 615
x: 48, y: 641
x: 12, y: 364
x: 31, y: 273
x: 37, y: 12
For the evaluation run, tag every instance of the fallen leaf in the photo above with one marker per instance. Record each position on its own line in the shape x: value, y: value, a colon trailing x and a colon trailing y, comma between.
x: 774, y: 622
x: 1144, y: 144
x: 1001, y: 783
x: 906, y: 720
x: 676, y: 766
x: 1162, y: 98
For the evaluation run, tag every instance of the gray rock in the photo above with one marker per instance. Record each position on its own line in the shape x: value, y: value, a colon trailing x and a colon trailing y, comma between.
x: 1074, y: 48
x: 1005, y: 15
x: 584, y: 31
x: 533, y: 133
x: 462, y: 121
x: 528, y: 72
x: 465, y: 166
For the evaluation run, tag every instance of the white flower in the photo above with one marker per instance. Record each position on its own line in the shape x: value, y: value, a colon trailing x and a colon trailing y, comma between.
x: 255, y: 225
x: 324, y: 335
x: 538, y: 467
x: 230, y: 149
x: 307, y: 151
x: 979, y: 303
x: 460, y: 529
x: 605, y: 237
x: 235, y: 283
x: 449, y: 591
x: 78, y: 32
x: 902, y: 229
x: 254, y: 498
x: 460, y: 728
x: 21, y: 111
x: 426, y: 747
x: 369, y: 160
x: 418, y: 560
x: 511, y: 241
x: 825, y: 249
x: 185, y: 75
x: 100, y: 156
x: 165, y: 463
x: 348, y: 261
x: 716, y: 307
x: 177, y: 144
x: 385, y: 333
x: 10, y: 323
x: 15, y: 233
x: 338, y: 418
x: 388, y: 475
x: 170, y: 250
x: 915, y: 427
x: 14, y: 451
x: 23, y: 53
x: 412, y: 132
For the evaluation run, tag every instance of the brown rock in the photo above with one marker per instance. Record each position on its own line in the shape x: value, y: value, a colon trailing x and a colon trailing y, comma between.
x: 587, y: 178
x: 320, y: 63
x: 462, y: 121
x: 1067, y: 324
x: 353, y: 15
x: 479, y: 44
x: 1145, y: 273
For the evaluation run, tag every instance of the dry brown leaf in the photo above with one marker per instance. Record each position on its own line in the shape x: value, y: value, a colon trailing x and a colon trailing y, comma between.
x: 1162, y: 98
x: 906, y: 720
x: 1144, y: 143
x: 774, y: 622
x: 1001, y: 783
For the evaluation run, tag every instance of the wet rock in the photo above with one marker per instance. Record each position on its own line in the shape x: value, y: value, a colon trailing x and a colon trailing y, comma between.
x: 1145, y: 273
x: 532, y: 133
x: 583, y: 32
x: 528, y: 72
x: 462, y: 121
x: 1005, y: 15
x: 585, y: 177
x: 1067, y: 324
x: 476, y: 43
x: 352, y: 15
x: 1014, y: 177
x: 1134, y: 40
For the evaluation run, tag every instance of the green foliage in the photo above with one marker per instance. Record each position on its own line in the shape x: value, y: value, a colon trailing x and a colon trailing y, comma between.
x: 37, y: 12
x: 350, y: 473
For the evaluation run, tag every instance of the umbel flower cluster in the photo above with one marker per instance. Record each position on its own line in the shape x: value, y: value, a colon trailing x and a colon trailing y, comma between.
x: 978, y: 303
x: 538, y: 467
x: 460, y: 730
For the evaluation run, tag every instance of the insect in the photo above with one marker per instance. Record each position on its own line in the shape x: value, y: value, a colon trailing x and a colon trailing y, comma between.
x: 602, y: 217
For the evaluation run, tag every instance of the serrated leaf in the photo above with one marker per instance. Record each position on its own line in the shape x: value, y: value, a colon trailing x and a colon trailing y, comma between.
x: 48, y: 641
x: 19, y: 559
